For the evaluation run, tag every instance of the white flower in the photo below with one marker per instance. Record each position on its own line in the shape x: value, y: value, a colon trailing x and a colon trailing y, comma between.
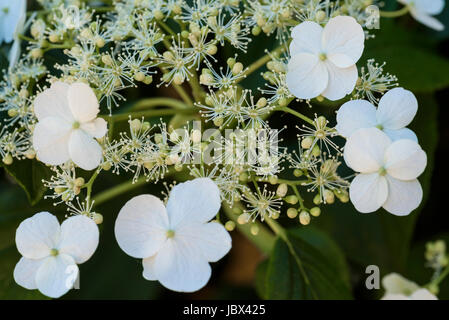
x: 12, y: 18
x: 12, y: 22
x: 423, y: 10
x: 398, y: 288
x: 176, y: 242
x: 396, y: 110
x: 51, y: 252
x: 323, y: 59
x: 68, y: 126
x: 388, y: 172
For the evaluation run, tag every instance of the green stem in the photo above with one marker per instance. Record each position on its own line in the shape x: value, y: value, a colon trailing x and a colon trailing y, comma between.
x: 117, y: 190
x: 144, y: 114
x: 159, y: 102
x: 264, y: 240
x: 296, y: 113
x: 90, y: 183
x: 395, y: 14
x: 440, y: 278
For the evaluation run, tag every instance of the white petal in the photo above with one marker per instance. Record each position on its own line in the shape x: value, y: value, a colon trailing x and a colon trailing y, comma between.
x: 432, y: 7
x: 341, y: 81
x: 394, y: 296
x: 403, y: 133
x: 179, y: 267
x: 83, y: 102
x: 212, y: 239
x: 427, y: 20
x: 79, y: 238
x: 84, y: 150
x: 365, y: 150
x: 25, y: 272
x: 307, y: 77
x: 196, y: 200
x: 53, y: 103
x: 403, y: 196
x: 148, y: 268
x: 57, y: 275
x: 306, y: 38
x: 96, y: 128
x: 397, y: 108
x: 36, y: 236
x: 405, y: 160
x: 354, y: 115
x: 51, y: 140
x: 423, y: 294
x: 343, y: 41
x: 14, y: 53
x: 141, y: 226
x: 368, y: 192
x: 396, y: 284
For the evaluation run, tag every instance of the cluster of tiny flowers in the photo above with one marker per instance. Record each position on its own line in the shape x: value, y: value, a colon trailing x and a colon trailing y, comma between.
x: 107, y: 53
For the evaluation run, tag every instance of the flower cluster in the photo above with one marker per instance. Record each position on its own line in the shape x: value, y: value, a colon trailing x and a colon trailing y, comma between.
x: 69, y: 115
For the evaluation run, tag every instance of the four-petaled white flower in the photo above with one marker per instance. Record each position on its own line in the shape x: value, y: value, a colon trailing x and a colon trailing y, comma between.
x: 396, y: 110
x: 323, y: 59
x: 12, y: 18
x: 51, y: 252
x: 388, y: 172
x: 12, y: 22
x: 398, y: 288
x: 68, y: 126
x: 423, y: 10
x: 176, y: 242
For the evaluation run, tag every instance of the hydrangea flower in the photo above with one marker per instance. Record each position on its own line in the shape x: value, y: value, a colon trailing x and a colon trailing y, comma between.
x: 68, y: 126
x: 423, y: 10
x: 396, y: 110
x: 398, y: 288
x: 388, y: 172
x: 12, y: 18
x: 176, y: 242
x: 51, y: 252
x: 323, y: 59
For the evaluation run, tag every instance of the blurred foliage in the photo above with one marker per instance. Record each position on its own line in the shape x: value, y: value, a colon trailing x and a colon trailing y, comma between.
x: 334, y: 251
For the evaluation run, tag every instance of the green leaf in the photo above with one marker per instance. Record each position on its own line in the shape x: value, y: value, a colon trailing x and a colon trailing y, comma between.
x: 417, y: 69
x: 29, y: 174
x: 309, y: 266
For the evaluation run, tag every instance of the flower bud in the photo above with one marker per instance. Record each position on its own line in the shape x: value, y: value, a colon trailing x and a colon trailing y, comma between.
x: 292, y: 199
x: 97, y: 218
x: 237, y: 68
x: 292, y: 213
x: 307, y: 142
x: 304, y: 218
x: 282, y: 190
x: 7, y: 159
x: 230, y: 225
x: 315, y: 211
x: 328, y: 196
x: 297, y: 173
x: 254, y: 230
x: 79, y: 182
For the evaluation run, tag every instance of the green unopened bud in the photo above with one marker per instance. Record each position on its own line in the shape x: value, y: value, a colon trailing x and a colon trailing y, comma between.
x: 307, y: 142
x: 282, y: 190
x: 97, y: 218
x: 304, y: 218
x: 237, y: 210
x: 292, y: 199
x: 292, y: 213
x: 230, y: 226
x: 237, y: 68
x: 316, y: 151
x: 254, y: 230
x: 7, y: 159
x: 273, y: 179
x: 317, y: 199
x: 315, y: 211
x: 256, y: 30
x: 231, y: 62
x: 297, y: 173
x: 135, y: 125
x: 328, y: 196
x: 79, y: 182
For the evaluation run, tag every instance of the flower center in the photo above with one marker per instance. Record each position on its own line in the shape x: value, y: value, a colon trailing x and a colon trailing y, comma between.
x: 54, y: 252
x: 76, y: 125
x: 323, y: 56
x: 170, y: 234
x: 380, y: 127
x: 382, y: 171
x: 5, y: 10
